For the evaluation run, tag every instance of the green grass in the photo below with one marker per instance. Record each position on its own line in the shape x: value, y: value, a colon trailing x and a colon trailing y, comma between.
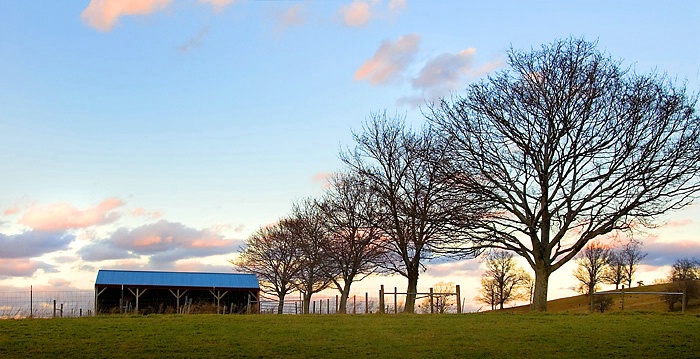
x: 486, y: 335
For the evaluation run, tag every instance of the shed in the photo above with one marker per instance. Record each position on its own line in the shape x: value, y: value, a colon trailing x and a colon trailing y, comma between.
x: 121, y: 291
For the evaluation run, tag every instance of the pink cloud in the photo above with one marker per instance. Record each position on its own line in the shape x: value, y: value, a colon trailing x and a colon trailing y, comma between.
x: 104, y: 14
x: 218, y: 4
x: 389, y: 61
x: 141, y: 212
x: 63, y: 216
x: 356, y: 14
x: 679, y: 223
x: 397, y: 5
x: 293, y: 16
x: 19, y: 267
x: 445, y: 70
x: 11, y: 211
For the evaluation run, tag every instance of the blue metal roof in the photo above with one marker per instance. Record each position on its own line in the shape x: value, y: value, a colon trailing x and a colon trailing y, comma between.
x: 176, y: 279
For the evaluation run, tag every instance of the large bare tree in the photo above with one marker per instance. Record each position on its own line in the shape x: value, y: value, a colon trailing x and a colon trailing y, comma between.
x: 273, y: 254
x: 349, y: 210
x: 568, y: 146
x: 417, y: 209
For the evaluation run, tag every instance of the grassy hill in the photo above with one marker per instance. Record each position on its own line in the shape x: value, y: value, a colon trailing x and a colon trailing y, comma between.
x: 632, y: 301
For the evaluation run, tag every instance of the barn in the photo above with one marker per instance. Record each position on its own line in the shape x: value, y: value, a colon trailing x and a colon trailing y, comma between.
x: 146, y: 292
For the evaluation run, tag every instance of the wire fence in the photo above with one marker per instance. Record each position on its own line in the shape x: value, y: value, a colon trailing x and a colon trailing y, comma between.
x: 46, y: 304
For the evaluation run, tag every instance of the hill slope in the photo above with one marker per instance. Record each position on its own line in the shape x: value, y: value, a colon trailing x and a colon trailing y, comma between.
x: 632, y: 302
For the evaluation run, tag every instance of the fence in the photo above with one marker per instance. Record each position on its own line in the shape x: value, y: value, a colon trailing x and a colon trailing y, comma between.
x: 46, y: 304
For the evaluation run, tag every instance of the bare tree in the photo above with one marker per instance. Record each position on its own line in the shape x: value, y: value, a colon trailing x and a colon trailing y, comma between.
x: 615, y: 271
x: 567, y: 146
x: 273, y: 255
x: 444, y: 299
x: 504, y: 279
x: 418, y: 211
x: 684, y: 278
x: 488, y: 294
x: 592, y: 262
x: 631, y: 255
x: 349, y: 209
x: 316, y: 270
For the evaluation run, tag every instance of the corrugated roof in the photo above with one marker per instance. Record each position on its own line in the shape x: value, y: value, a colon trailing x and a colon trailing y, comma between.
x: 176, y: 279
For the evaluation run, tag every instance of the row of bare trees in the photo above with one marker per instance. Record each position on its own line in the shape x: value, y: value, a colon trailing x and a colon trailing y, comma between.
x: 538, y: 160
x: 598, y: 263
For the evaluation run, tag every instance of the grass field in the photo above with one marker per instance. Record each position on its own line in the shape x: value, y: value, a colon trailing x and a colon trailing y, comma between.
x: 485, y: 335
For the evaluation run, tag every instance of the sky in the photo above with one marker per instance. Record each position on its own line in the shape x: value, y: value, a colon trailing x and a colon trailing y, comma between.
x: 159, y: 134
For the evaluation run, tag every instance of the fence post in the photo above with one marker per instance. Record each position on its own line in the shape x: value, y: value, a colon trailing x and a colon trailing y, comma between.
x: 459, y: 300
x: 336, y: 304
x: 54, y: 308
x: 683, y: 299
x: 61, y: 310
x: 328, y: 305
x: 366, y: 302
x: 396, y: 303
x: 432, y: 307
x: 381, y: 299
x: 622, y: 302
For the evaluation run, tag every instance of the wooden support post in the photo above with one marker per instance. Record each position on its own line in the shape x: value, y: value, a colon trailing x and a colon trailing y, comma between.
x: 54, y: 308
x: 218, y: 297
x: 336, y: 304
x: 328, y: 305
x: 432, y: 307
x: 137, y: 295
x: 97, y: 294
x: 381, y: 299
x: 396, y: 300
x: 459, y: 300
x: 314, y: 310
x: 354, y: 304
x: 177, y: 298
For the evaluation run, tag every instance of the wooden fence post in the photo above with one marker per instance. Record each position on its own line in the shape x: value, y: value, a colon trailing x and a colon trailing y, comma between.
x: 366, y: 302
x: 432, y: 307
x: 396, y: 303
x: 381, y: 299
x: 683, y: 299
x: 459, y: 300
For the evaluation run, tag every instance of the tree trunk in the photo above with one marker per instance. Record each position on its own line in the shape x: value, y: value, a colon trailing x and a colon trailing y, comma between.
x: 411, y: 292
x: 280, y: 305
x: 344, y: 294
x: 539, y: 298
x: 306, y: 304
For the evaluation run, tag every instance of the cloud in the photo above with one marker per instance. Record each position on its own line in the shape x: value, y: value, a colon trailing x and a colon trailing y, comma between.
x: 21, y: 267
x: 293, y: 16
x: 389, y: 62
x: 397, y: 5
x: 141, y: 212
x: 358, y: 13
x: 194, y: 42
x: 104, y: 14
x: 665, y: 254
x: 445, y: 73
x: 33, y: 243
x: 218, y: 4
x: 164, y: 241
x: 679, y: 223
x: 11, y: 211
x: 62, y: 216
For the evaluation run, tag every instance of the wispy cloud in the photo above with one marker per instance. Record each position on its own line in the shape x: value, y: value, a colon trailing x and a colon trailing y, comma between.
x: 21, y: 267
x: 290, y: 17
x: 390, y: 61
x: 141, y: 212
x: 33, y: 243
x: 104, y: 14
x: 357, y: 13
x: 62, y: 216
x: 397, y: 5
x: 218, y: 4
x: 164, y: 241
x: 195, y: 41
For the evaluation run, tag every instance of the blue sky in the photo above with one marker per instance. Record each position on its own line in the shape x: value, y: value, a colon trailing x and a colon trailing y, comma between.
x: 159, y: 134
